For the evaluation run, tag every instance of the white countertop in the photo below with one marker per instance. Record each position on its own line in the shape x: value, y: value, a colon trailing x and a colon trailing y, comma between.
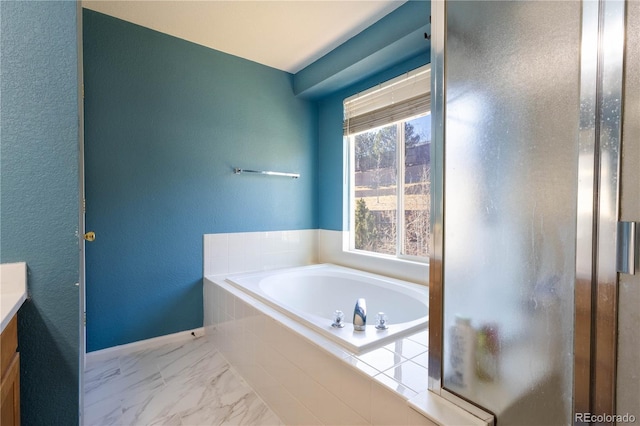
x: 13, y: 290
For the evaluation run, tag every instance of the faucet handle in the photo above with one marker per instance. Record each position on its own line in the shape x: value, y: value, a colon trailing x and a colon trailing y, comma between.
x: 381, y: 321
x: 338, y: 319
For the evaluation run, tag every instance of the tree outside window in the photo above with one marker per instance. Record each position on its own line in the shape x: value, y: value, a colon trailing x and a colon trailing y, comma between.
x: 384, y: 157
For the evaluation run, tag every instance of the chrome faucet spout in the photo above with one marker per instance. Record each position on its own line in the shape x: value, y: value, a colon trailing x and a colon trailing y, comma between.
x: 360, y: 315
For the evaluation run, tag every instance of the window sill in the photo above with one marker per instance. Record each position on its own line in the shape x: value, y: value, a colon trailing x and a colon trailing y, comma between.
x: 331, y: 250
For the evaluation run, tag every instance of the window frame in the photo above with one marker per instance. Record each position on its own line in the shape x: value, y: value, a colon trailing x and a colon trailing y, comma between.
x: 349, y: 141
x: 396, y: 101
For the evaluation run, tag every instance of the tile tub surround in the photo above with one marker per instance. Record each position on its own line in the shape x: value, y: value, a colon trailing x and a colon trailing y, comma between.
x: 307, y: 379
x: 303, y: 377
x: 237, y: 252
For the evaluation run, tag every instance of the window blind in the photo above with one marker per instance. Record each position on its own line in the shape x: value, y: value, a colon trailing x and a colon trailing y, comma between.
x: 397, y: 99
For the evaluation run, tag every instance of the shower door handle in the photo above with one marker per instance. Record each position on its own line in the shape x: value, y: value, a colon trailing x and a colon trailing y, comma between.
x: 628, y: 250
x: 89, y: 236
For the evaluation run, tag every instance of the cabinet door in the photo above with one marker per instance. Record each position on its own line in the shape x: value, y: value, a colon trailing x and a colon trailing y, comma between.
x: 8, y: 345
x: 10, y: 394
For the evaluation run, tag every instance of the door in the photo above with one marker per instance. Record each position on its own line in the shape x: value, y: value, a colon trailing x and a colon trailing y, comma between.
x: 527, y: 130
x: 510, y: 206
x: 81, y: 222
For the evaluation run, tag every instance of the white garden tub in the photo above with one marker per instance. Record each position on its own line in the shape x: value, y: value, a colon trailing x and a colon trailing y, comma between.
x: 311, y: 294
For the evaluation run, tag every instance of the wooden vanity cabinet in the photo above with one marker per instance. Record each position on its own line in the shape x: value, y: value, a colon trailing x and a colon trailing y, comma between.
x: 10, y: 379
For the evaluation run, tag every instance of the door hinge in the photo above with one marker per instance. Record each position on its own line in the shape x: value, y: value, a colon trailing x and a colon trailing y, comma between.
x: 84, y: 319
x: 628, y: 250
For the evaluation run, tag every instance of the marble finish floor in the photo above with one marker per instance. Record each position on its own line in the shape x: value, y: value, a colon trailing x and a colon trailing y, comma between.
x: 175, y: 384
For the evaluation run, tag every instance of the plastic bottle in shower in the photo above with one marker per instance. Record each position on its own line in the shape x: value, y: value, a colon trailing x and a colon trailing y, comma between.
x: 462, y: 348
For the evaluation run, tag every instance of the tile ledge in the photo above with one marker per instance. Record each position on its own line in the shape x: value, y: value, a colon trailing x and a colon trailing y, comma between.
x: 444, y: 412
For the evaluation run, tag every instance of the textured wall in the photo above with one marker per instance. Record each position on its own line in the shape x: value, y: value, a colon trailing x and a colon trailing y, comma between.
x: 39, y: 198
x: 166, y: 121
x: 392, y: 47
x: 397, y: 37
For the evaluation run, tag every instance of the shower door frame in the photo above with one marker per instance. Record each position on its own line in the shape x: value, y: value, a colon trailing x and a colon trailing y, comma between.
x: 596, y: 291
x: 595, y: 319
x: 436, y: 256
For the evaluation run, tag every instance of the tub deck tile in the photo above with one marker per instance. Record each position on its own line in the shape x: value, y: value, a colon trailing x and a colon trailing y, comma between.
x: 381, y: 359
x: 411, y: 375
x: 407, y: 348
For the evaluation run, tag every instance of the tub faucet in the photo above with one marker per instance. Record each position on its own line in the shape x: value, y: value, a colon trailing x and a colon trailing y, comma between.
x: 360, y: 315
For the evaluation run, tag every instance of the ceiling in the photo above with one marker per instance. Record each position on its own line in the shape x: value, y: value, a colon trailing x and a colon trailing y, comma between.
x: 287, y: 35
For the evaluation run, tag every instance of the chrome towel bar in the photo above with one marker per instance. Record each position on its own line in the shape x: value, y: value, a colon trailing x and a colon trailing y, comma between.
x: 238, y: 171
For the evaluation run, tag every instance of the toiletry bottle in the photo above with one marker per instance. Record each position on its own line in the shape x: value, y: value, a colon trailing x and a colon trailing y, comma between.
x: 462, y: 355
x: 487, y: 352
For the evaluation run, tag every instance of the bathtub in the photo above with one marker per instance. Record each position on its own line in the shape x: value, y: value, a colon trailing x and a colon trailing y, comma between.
x: 311, y: 294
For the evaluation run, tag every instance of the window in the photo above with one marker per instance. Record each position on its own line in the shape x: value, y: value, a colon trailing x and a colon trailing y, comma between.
x: 388, y: 131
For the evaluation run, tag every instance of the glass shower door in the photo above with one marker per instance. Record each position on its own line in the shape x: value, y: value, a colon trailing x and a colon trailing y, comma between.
x: 511, y: 170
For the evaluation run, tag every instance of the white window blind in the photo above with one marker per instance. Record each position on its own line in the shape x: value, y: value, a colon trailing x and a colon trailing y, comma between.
x: 400, y: 98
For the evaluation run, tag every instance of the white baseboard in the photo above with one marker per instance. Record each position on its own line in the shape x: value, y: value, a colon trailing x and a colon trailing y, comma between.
x: 143, y: 344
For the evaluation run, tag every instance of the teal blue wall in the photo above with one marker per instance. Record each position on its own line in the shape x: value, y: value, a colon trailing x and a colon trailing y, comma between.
x: 167, y: 120
x: 330, y: 142
x: 397, y: 37
x: 165, y: 123
x: 388, y: 48
x: 39, y: 198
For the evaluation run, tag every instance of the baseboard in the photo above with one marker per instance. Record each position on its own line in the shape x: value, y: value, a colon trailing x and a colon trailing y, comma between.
x: 120, y: 350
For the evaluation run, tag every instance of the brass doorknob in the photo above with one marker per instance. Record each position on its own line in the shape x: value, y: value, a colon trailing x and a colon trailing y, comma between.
x: 90, y: 236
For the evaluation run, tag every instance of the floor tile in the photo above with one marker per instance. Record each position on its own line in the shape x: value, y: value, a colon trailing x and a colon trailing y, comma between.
x: 174, y: 420
x: 104, y: 413
x: 174, y: 384
x: 233, y: 409
x: 100, y: 370
x: 102, y: 386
